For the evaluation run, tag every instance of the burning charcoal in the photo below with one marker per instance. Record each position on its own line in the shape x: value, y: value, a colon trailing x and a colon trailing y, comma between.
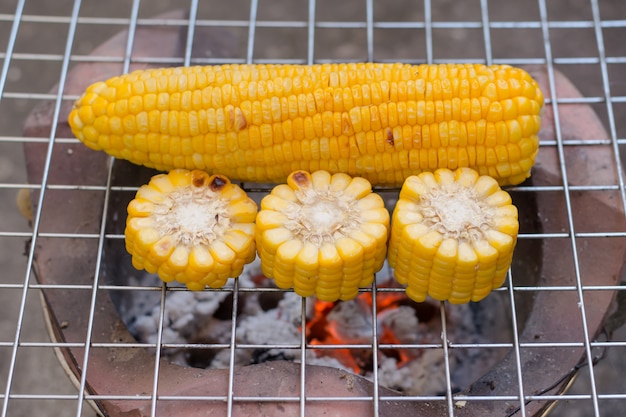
x: 401, y: 322
x: 277, y: 326
x: 399, y: 379
x: 208, y: 302
x: 274, y: 319
x: 352, y: 321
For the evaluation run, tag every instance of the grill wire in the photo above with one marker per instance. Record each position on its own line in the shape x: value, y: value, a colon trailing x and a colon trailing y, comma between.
x: 28, y: 72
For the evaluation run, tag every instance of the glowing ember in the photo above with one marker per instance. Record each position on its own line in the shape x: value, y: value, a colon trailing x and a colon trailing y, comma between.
x: 351, y: 323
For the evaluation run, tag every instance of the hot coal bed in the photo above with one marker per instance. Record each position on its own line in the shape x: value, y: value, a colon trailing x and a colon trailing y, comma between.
x: 412, y: 361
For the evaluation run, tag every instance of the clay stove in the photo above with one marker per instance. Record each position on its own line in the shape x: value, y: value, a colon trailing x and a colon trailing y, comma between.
x: 86, y: 280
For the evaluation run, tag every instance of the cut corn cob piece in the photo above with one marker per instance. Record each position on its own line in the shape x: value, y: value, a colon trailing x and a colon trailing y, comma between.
x: 380, y: 121
x: 190, y: 227
x: 452, y: 235
x: 322, y: 234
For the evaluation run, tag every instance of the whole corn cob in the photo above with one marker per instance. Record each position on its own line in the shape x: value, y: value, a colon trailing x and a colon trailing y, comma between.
x: 452, y: 235
x: 383, y: 122
x: 191, y: 227
x: 322, y: 234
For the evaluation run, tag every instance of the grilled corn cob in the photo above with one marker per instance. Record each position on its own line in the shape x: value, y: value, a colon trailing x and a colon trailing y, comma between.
x: 322, y: 234
x: 383, y: 122
x: 452, y: 235
x: 191, y: 227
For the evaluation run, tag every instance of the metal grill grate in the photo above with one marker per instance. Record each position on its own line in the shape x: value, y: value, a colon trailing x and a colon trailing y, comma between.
x: 582, y: 39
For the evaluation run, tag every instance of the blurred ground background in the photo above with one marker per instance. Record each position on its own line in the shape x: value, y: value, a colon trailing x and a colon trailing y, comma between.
x: 40, y: 371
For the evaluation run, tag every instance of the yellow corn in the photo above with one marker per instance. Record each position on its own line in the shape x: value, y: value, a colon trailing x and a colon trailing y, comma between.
x: 383, y: 122
x: 322, y: 234
x: 452, y: 235
x: 191, y: 227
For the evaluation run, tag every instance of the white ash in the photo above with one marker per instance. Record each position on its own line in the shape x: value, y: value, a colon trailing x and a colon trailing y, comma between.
x: 402, y: 321
x: 189, y: 317
x: 278, y: 326
x: 186, y: 312
x: 353, y: 321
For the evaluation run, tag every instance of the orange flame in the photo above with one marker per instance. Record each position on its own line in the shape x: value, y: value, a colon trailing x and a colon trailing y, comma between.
x: 322, y: 331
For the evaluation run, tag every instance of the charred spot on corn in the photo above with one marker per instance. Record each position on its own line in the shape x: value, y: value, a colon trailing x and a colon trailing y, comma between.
x: 190, y: 227
x: 322, y: 234
x: 301, y: 178
x: 453, y: 234
x: 198, y: 179
x: 384, y: 122
x: 218, y: 183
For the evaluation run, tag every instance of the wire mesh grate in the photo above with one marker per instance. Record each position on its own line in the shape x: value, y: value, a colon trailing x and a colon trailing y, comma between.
x: 43, y: 43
